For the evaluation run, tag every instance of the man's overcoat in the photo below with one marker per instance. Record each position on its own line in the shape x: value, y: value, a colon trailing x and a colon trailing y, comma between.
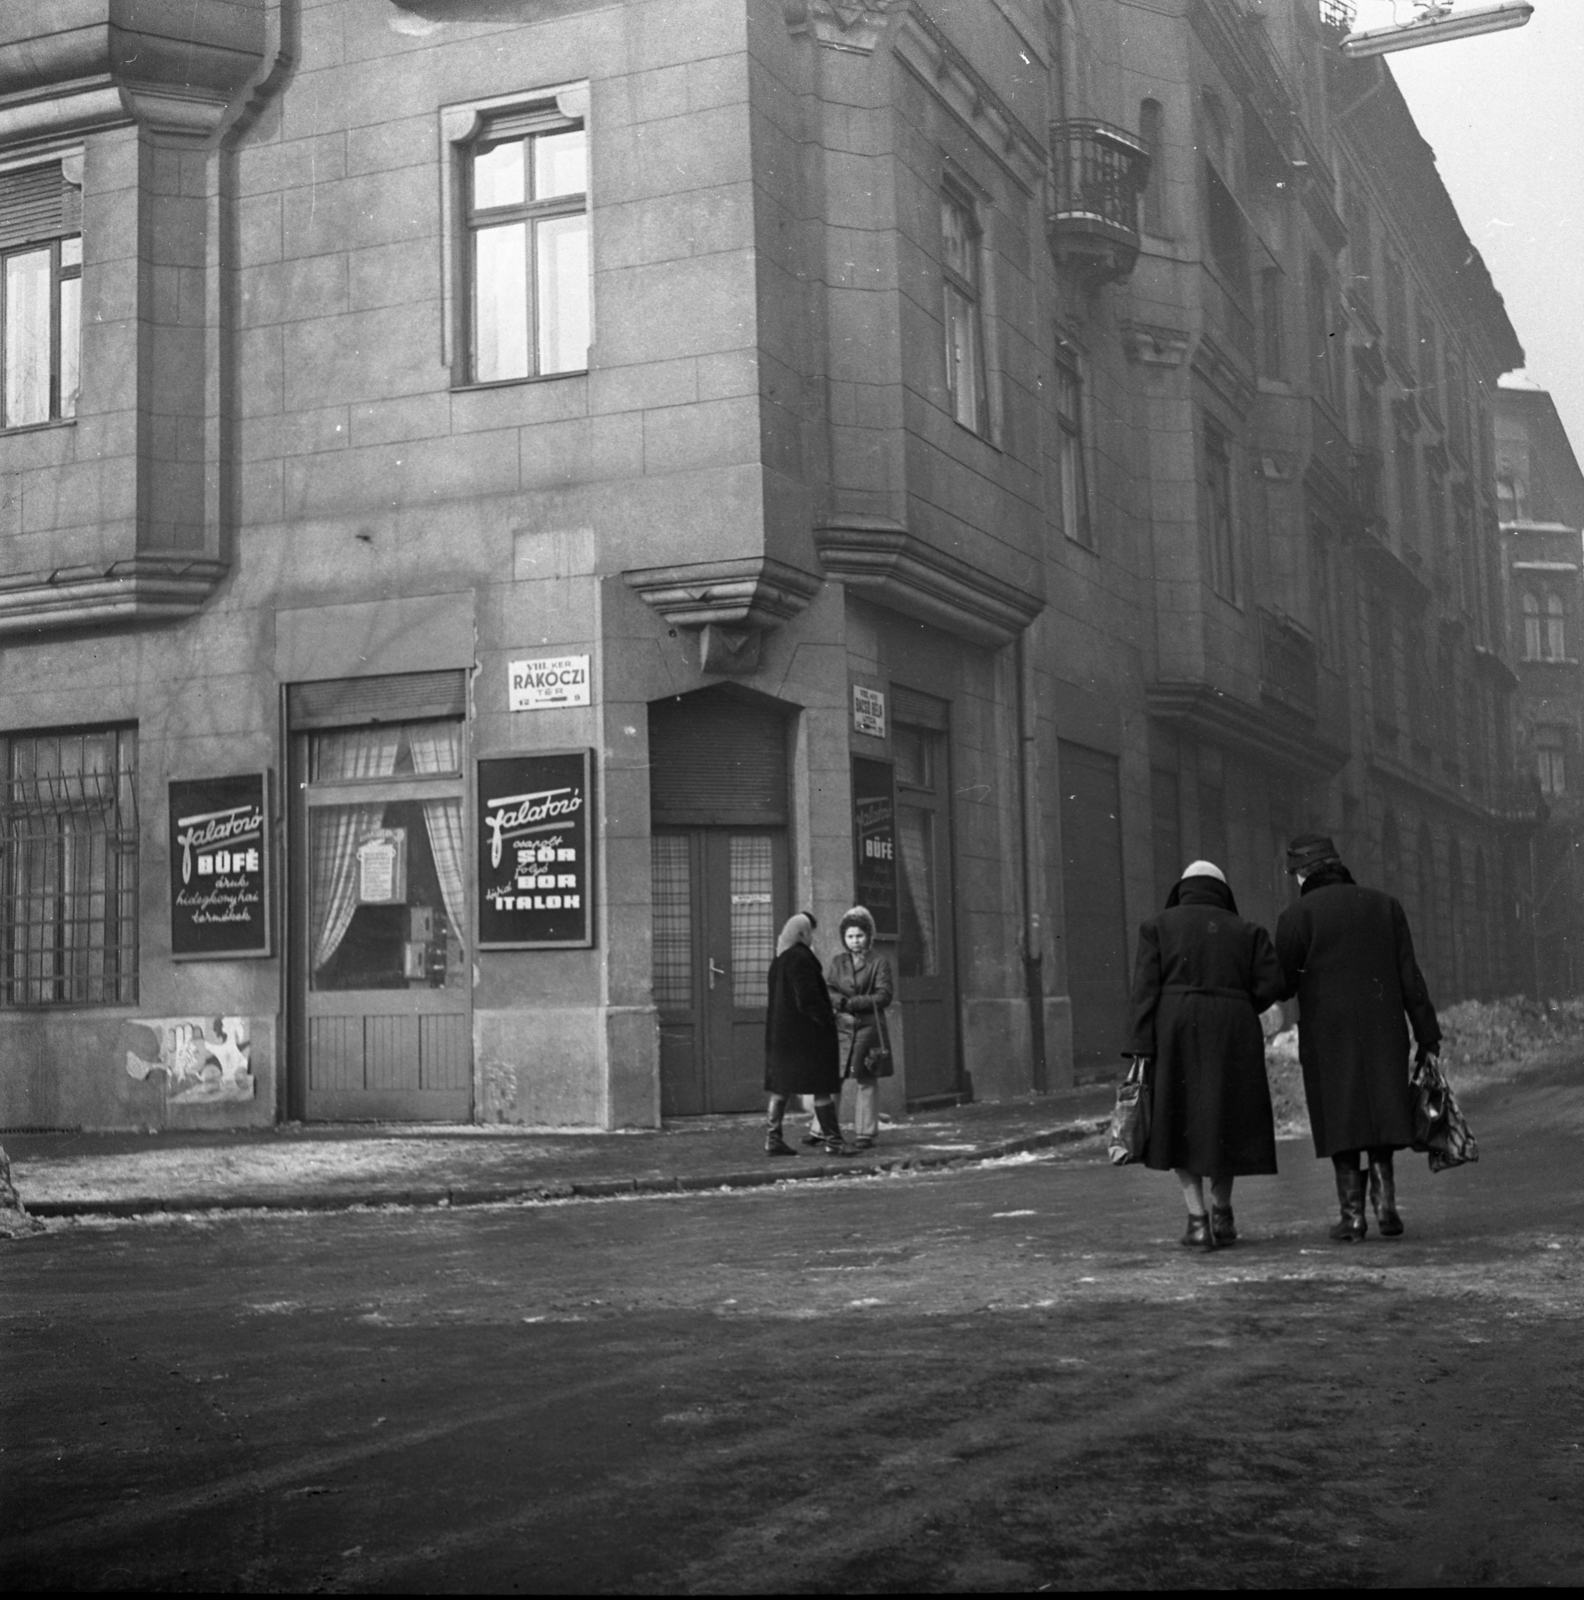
x: 1347, y: 954
x: 801, y: 1048
x: 1202, y: 977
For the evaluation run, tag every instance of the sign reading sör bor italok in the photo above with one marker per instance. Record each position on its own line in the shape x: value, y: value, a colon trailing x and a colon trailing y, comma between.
x: 533, y: 845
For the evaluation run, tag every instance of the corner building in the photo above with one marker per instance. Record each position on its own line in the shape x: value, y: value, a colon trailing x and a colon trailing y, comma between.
x: 501, y: 506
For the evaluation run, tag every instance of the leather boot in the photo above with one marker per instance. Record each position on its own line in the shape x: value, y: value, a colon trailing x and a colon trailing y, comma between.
x: 830, y: 1128
x: 1350, y: 1195
x: 1383, y: 1197
x: 775, y: 1145
x: 1200, y: 1235
x: 1222, y: 1224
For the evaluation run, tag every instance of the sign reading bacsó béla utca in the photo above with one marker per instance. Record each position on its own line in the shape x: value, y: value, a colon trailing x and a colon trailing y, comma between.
x: 220, y: 867
x: 535, y: 833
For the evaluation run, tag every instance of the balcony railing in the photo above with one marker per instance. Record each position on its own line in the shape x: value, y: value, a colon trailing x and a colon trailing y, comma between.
x: 1337, y: 15
x: 1100, y: 172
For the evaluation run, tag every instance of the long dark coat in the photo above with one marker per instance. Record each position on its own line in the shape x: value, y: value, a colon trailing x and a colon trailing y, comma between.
x: 1202, y: 977
x: 1347, y: 954
x: 800, y: 1027
x: 866, y: 994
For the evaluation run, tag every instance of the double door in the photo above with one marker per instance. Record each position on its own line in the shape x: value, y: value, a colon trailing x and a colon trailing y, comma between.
x: 720, y: 899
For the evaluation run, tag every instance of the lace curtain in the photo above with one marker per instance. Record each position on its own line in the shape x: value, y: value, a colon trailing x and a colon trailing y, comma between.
x: 437, y: 747
x: 335, y: 831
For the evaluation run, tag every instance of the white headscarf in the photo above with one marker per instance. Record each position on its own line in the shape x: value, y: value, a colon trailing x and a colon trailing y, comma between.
x: 1204, y: 869
x: 798, y: 930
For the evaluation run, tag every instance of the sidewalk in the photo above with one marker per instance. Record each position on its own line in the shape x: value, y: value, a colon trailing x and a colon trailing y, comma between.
x: 318, y: 1167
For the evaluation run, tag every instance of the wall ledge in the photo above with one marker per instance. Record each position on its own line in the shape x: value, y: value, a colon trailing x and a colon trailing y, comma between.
x: 141, y: 589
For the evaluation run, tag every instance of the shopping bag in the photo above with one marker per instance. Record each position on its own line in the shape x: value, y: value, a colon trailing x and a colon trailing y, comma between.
x: 1130, y: 1119
x: 1440, y: 1129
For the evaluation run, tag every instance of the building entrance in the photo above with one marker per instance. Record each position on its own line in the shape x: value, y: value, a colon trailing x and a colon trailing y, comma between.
x: 720, y: 890
x: 381, y: 1023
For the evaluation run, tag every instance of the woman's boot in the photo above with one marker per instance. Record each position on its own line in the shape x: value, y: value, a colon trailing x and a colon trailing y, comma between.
x: 830, y: 1127
x: 775, y: 1145
x: 1350, y: 1195
x: 1199, y: 1235
x: 1383, y: 1196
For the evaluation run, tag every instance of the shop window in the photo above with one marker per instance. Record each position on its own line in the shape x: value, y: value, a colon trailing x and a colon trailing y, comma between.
x: 69, y: 871
x: 961, y: 248
x: 41, y: 253
x: 1076, y: 521
x: 1551, y: 760
x: 1219, y: 512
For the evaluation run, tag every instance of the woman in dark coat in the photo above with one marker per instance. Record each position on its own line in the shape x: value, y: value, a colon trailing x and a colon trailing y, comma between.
x: 1202, y: 977
x: 861, y: 987
x: 1347, y: 954
x: 801, y: 1049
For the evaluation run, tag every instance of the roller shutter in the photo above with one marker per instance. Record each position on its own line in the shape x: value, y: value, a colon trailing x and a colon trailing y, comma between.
x: 717, y: 758
x: 36, y: 203
x: 355, y: 702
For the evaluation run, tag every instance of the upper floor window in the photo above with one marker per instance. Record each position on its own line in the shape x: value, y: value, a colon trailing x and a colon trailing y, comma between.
x: 1219, y: 512
x: 965, y: 372
x: 1076, y: 522
x: 1151, y: 129
x: 1556, y: 628
x: 1512, y: 497
x: 1405, y: 453
x: 528, y: 247
x: 69, y: 868
x: 1359, y: 251
x: 1551, y: 760
x: 1531, y: 624
x: 1272, y: 355
x: 40, y: 294
x: 1397, y: 305
x: 1323, y: 356
x: 1429, y: 358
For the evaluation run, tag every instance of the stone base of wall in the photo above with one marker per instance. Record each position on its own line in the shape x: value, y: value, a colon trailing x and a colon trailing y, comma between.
x: 567, y: 1067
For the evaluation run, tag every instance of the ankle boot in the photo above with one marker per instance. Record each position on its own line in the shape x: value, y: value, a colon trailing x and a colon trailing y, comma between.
x: 1383, y: 1198
x: 1200, y: 1235
x: 1350, y: 1196
x: 830, y: 1128
x: 1222, y: 1225
x: 775, y: 1145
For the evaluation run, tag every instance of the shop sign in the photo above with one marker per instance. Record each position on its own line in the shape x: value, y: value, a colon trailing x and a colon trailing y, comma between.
x: 869, y: 712
x: 549, y: 681
x: 220, y: 867
x: 874, y: 841
x: 535, y: 839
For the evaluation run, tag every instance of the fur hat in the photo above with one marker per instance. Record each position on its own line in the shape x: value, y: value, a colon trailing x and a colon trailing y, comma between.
x: 857, y: 917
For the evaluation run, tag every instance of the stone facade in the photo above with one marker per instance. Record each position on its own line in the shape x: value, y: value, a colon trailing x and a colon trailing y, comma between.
x: 1036, y: 370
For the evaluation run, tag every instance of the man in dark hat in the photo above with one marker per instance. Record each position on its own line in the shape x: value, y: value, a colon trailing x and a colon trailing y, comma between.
x: 1347, y: 954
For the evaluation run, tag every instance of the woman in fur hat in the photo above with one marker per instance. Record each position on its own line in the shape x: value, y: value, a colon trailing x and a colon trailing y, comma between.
x: 861, y: 987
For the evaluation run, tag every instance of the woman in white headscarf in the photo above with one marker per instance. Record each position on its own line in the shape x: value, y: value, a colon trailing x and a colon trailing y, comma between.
x: 1202, y: 977
x: 801, y: 1046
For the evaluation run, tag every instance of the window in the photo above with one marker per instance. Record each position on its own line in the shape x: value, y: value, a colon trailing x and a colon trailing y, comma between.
x: 1405, y: 455
x: 1076, y: 522
x: 1556, y: 628
x: 1272, y: 356
x: 1551, y: 761
x: 1531, y: 621
x: 1219, y: 512
x: 1383, y: 675
x: 1457, y: 404
x: 1358, y: 227
x: 528, y: 247
x: 960, y: 250
x: 1224, y: 228
x: 1512, y: 498
x: 69, y: 880
x: 1151, y: 129
x: 1429, y: 358
x: 1322, y: 356
x: 1397, y: 305
x: 40, y: 293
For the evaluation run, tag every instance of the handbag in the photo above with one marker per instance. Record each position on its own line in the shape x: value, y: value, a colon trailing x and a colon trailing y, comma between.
x: 1130, y: 1119
x: 879, y: 1063
x: 1440, y: 1128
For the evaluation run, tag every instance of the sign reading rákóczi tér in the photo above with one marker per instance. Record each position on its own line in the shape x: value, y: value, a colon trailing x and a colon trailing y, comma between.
x: 535, y: 875
x: 220, y: 867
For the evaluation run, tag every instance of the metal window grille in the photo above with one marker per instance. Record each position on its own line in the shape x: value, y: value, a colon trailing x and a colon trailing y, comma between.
x: 69, y: 869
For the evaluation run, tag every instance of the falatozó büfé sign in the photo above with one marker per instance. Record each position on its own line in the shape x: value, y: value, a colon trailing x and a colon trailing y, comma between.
x: 220, y: 867
x: 535, y: 871
x: 874, y: 841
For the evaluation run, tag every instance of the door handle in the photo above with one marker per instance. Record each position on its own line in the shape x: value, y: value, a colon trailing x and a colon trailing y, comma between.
x: 715, y: 972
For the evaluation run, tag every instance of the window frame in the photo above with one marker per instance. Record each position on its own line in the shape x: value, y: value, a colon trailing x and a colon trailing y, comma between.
x: 463, y: 126
x: 969, y: 292
x: 1555, y: 627
x: 1550, y: 745
x: 1533, y: 631
x: 27, y: 820
x: 1072, y: 445
x: 59, y: 406
x: 1217, y: 446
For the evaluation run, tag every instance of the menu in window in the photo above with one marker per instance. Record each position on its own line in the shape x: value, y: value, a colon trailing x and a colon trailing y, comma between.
x: 535, y: 838
x: 220, y: 867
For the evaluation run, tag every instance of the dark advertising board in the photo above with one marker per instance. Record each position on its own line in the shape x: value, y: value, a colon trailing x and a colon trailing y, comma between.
x: 874, y: 841
x: 220, y: 867
x: 535, y: 837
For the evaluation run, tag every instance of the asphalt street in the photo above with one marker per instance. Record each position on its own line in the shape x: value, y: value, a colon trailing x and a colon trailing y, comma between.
x: 1002, y: 1378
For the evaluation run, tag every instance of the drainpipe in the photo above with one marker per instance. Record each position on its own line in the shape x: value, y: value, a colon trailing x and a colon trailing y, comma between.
x: 1030, y: 942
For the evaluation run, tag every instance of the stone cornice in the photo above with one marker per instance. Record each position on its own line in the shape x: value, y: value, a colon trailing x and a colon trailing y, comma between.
x: 841, y: 24
x: 1267, y: 737
x: 1155, y: 346
x: 1225, y: 374
x: 147, y: 588
x: 881, y: 561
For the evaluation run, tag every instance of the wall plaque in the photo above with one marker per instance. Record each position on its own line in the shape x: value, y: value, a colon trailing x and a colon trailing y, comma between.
x: 874, y: 841
x: 549, y: 681
x: 220, y: 867
x: 868, y: 711
x: 535, y: 851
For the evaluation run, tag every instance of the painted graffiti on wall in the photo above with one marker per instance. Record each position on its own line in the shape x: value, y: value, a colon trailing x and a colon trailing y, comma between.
x: 204, y: 1059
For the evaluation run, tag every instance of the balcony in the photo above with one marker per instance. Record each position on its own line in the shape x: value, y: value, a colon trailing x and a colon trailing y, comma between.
x: 1336, y: 16
x: 1100, y: 172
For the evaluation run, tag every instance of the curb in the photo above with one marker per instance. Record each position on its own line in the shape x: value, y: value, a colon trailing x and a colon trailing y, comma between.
x: 593, y: 1189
